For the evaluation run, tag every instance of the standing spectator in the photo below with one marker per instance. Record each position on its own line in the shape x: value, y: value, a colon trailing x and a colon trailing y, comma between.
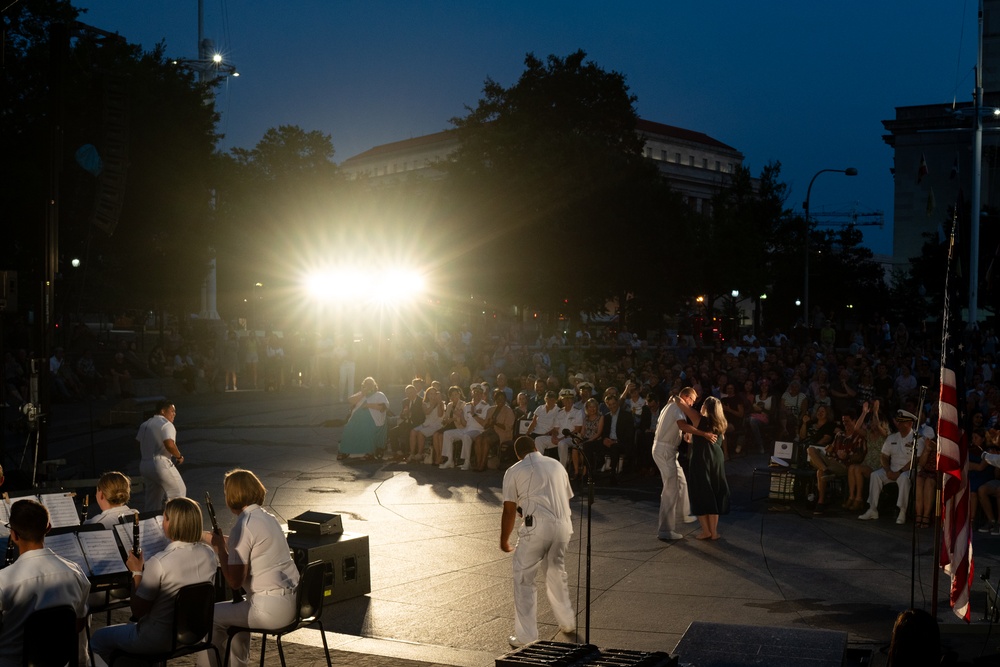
x: 94, y: 382
x: 157, y: 440
x: 230, y: 359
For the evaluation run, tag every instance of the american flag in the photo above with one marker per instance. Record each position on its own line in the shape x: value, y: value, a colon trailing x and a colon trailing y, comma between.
x: 953, y: 453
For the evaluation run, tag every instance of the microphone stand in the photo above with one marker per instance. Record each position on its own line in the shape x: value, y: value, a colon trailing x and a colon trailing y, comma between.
x: 914, y: 460
x: 578, y: 442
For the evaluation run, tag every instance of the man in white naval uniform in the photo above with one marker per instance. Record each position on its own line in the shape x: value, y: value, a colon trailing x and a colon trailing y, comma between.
x: 537, y: 489
x: 157, y: 440
x: 674, y: 501
x: 897, y: 454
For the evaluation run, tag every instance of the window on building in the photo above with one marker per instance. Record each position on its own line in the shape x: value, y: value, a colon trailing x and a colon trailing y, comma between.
x: 648, y: 152
x: 718, y: 166
x: 690, y: 160
x: 704, y: 163
x: 663, y: 155
x: 677, y: 158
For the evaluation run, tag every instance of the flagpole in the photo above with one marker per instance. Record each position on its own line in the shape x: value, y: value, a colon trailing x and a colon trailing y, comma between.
x: 977, y: 169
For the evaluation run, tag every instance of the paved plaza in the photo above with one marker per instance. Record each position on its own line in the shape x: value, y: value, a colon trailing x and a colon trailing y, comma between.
x: 441, y: 590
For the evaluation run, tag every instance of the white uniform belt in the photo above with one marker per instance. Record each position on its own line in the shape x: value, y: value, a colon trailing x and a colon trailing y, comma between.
x: 277, y: 592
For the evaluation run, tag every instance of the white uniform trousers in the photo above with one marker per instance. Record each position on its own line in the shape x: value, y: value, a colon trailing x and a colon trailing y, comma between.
x: 543, y: 544
x: 466, y: 435
x: 543, y: 442
x: 162, y: 479
x: 674, y: 503
x: 879, y: 479
x: 270, y: 611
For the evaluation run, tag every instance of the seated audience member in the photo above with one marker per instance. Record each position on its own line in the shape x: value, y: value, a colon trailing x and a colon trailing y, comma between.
x: 896, y: 457
x: 255, y: 558
x: 926, y: 484
x: 433, y: 410
x: 94, y: 383
x: 617, y: 436
x: 186, y: 560
x: 453, y: 418
x: 498, y: 428
x: 569, y: 419
x: 121, y: 377
x: 847, y: 448
x: 590, y: 435
x: 735, y: 413
x: 816, y: 431
x: 543, y: 428
x: 983, y: 483
x: 38, y: 579
x: 916, y: 640
x: 466, y: 428
x: 113, y: 490
x: 411, y: 415
x: 793, y: 405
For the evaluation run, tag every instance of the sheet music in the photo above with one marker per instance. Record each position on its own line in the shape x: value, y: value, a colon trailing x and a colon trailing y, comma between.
x: 4, y: 517
x: 101, y: 551
x: 152, y: 539
x: 62, y: 509
x: 67, y: 546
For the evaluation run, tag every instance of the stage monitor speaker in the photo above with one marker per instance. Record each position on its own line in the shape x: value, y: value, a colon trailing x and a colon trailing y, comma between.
x: 316, y: 523
x: 348, y: 571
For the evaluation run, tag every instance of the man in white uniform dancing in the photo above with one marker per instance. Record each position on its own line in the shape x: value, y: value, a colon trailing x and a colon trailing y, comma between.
x: 537, y: 489
x: 157, y: 440
x: 674, y: 503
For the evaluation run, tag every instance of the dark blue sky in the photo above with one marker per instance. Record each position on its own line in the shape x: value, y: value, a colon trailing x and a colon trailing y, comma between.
x: 807, y: 83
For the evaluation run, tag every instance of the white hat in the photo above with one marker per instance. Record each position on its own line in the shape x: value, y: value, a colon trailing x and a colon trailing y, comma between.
x: 905, y: 415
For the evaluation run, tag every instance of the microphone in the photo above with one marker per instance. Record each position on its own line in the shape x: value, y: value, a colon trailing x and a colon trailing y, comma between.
x: 573, y: 436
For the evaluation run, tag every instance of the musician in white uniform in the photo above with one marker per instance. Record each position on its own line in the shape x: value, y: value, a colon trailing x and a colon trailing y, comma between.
x: 537, y: 488
x: 186, y: 560
x: 38, y: 579
x: 255, y: 558
x: 157, y: 440
x: 113, y: 490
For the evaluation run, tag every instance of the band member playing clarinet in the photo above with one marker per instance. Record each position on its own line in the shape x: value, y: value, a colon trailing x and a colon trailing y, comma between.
x: 186, y: 560
x: 255, y: 558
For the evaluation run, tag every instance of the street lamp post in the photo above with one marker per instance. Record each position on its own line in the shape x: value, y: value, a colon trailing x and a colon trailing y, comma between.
x: 253, y: 305
x: 850, y: 171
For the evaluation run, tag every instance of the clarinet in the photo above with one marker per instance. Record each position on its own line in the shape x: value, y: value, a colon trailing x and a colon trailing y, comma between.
x: 11, y: 554
x: 136, y: 549
x: 85, y: 508
x: 237, y: 596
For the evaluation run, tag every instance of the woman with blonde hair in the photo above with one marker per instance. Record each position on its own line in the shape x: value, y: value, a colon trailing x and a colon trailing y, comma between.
x: 186, y: 560
x: 708, y: 489
x: 365, y: 432
x: 255, y: 558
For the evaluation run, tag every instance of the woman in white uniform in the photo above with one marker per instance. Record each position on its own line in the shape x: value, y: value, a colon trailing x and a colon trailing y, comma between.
x: 186, y: 560
x: 255, y: 558
x: 113, y: 490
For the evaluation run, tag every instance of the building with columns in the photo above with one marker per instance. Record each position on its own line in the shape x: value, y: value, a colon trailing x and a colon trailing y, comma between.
x: 695, y: 164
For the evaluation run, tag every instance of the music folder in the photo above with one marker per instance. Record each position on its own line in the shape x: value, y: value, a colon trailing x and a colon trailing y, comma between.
x: 152, y: 539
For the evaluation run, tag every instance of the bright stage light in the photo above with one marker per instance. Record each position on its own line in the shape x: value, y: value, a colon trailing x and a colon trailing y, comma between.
x: 389, y: 286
